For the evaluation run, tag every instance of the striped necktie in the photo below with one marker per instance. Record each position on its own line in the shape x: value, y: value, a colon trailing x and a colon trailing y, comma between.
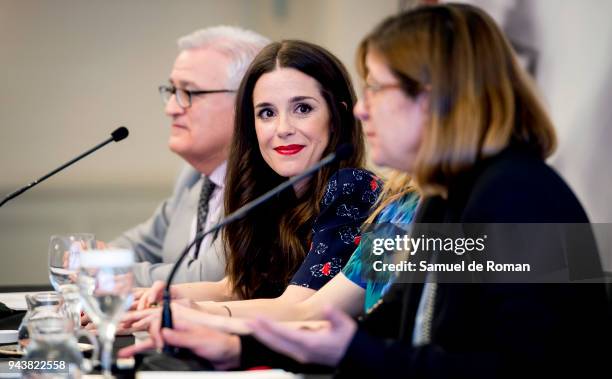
x: 207, y: 189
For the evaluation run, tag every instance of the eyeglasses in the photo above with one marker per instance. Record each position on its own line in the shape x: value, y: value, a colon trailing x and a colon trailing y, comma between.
x: 183, y: 96
x: 374, y: 88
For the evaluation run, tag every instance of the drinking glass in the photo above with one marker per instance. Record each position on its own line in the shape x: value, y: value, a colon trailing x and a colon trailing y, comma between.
x: 105, y: 283
x: 40, y: 305
x: 64, y: 255
x: 54, y: 342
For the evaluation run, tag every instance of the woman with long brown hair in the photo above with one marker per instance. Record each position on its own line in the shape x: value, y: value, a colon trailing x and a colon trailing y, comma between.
x: 266, y: 247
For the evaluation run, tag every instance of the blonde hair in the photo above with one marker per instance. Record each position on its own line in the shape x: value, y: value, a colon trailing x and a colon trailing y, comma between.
x: 397, y: 185
x: 480, y: 99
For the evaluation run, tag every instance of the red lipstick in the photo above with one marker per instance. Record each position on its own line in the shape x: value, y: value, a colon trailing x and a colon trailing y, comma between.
x: 289, y: 149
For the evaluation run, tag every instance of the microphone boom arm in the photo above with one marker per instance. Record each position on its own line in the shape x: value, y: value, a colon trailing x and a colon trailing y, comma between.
x: 115, y: 137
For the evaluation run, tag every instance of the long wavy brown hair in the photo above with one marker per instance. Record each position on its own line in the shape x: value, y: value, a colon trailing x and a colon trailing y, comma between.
x: 481, y: 100
x: 265, y: 248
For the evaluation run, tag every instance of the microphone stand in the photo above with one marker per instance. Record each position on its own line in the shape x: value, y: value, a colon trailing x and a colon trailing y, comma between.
x: 117, y: 135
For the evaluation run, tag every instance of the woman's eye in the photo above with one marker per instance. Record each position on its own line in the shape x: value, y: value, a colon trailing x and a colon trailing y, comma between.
x: 265, y: 113
x: 303, y: 108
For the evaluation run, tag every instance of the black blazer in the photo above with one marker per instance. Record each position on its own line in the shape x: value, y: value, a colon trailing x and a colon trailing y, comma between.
x: 492, y: 330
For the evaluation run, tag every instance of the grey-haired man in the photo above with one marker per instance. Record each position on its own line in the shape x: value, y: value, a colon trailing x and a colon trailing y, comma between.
x: 200, y: 102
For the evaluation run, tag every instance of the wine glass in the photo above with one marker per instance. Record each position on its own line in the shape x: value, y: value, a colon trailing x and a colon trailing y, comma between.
x: 105, y: 283
x: 64, y: 258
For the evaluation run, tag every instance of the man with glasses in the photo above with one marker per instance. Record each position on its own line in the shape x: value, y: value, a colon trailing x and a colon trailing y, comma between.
x: 199, y: 99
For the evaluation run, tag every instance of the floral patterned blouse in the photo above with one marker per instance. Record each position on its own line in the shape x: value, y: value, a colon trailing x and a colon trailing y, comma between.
x: 346, y: 204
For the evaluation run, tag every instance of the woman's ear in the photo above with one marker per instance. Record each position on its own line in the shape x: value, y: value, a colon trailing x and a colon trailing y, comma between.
x: 345, y: 105
x: 423, y: 100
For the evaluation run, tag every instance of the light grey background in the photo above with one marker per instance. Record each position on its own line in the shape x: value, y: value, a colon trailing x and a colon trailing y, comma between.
x: 71, y: 71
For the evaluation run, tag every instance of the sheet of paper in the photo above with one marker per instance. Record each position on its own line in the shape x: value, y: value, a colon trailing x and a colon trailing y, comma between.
x: 15, y: 300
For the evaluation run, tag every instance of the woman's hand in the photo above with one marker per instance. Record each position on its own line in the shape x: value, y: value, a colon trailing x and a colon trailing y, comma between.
x: 138, y: 320
x: 326, y: 346
x: 186, y: 314
x: 151, y: 296
x: 221, y: 349
x: 150, y: 318
x: 137, y: 294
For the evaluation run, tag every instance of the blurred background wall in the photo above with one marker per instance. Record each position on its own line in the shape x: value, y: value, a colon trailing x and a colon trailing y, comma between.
x: 73, y: 70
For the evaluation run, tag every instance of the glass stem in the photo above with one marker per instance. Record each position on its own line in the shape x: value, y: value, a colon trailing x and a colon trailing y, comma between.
x: 107, y: 358
x: 106, y: 355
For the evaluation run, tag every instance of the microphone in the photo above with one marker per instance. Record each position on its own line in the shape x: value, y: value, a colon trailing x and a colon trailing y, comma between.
x: 343, y: 152
x: 119, y: 134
